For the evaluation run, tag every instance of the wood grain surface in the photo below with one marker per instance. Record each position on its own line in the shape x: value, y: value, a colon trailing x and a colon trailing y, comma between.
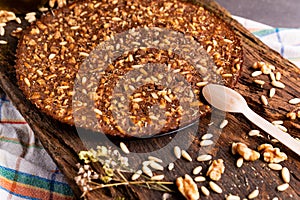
x: 63, y: 143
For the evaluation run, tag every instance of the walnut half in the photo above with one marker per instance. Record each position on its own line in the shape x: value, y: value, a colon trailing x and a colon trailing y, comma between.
x: 188, y: 187
x: 271, y: 154
x: 216, y: 169
x: 243, y: 150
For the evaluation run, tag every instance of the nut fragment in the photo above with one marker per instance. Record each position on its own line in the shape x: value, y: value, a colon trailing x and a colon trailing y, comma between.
x: 247, y: 153
x: 188, y: 187
x: 216, y: 169
x: 272, y: 155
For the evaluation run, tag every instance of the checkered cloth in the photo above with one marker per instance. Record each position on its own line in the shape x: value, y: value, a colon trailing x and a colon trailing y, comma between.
x: 27, y: 171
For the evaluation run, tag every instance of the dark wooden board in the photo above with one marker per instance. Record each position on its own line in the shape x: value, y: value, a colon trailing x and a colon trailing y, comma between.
x: 63, y: 143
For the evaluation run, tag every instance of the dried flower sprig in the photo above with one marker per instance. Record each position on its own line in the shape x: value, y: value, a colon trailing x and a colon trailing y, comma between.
x: 113, y: 164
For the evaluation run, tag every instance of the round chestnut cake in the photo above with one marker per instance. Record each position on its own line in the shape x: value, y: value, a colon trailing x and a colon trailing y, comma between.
x: 126, y: 67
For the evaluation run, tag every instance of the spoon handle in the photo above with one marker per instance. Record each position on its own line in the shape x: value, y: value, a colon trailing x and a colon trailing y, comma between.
x: 283, y: 137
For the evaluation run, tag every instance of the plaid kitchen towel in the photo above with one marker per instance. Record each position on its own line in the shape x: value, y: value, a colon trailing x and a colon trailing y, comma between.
x: 27, y: 171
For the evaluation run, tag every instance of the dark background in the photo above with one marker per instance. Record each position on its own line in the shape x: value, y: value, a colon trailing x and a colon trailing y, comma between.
x: 277, y: 13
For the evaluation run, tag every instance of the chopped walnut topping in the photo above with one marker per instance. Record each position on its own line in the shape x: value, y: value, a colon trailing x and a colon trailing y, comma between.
x: 188, y: 187
x: 216, y: 169
x: 247, y: 153
x: 271, y: 154
x: 294, y: 114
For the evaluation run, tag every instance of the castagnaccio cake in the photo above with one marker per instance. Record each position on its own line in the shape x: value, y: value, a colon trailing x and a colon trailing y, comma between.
x: 65, y: 64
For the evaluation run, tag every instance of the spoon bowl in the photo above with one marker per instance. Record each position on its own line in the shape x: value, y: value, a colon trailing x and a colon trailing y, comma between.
x: 228, y: 100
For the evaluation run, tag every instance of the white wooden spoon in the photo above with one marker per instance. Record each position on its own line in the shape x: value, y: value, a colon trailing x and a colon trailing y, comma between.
x: 228, y: 100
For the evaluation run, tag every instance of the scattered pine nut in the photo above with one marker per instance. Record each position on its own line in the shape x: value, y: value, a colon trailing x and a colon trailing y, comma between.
x: 272, y: 76
x: 253, y: 194
x: 256, y: 73
x: 136, y: 175
x: 272, y: 92
x: 281, y: 127
x: 155, y: 159
x: 3, y: 42
x: 177, y: 152
x: 232, y: 197
x: 147, y: 171
x: 215, y: 187
x: 156, y: 166
x: 254, y: 133
x: 186, y: 155
x: 259, y: 82
x: 275, y: 166
x: 205, y: 143
x: 171, y: 166
x: 158, y: 177
x: 294, y: 101
x: 199, y: 179
x: 204, y: 190
x: 278, y: 122
x: 278, y: 84
x: 285, y: 173
x: 223, y: 124
x: 207, y: 136
x: 239, y: 162
x: 264, y: 100
x: 205, y: 157
x: 283, y: 187
x: 278, y: 76
x: 124, y: 148
x: 197, y: 170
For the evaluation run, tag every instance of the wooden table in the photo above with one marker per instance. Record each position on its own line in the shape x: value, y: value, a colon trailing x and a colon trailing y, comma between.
x: 63, y: 143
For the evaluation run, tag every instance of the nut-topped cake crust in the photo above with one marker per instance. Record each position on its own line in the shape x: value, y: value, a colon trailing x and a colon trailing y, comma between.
x: 54, y: 49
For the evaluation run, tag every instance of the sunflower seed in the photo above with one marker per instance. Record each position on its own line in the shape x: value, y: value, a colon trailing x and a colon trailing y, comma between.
x: 147, y: 171
x: 205, y: 143
x: 177, y: 152
x: 253, y: 194
x: 239, y: 162
x: 223, y: 124
x: 215, y: 187
x: 136, y: 175
x: 283, y: 187
x: 207, y: 136
x: 256, y: 73
x: 278, y: 76
x: 200, y: 178
x: 197, y: 170
x: 156, y: 166
x: 186, y: 155
x: 205, y: 157
x: 158, y: 177
x: 278, y: 84
x: 155, y: 159
x: 254, y: 133
x: 275, y: 166
x: 232, y: 197
x: 294, y: 101
x: 204, y: 190
x: 171, y: 166
x: 124, y: 148
x: 285, y: 173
